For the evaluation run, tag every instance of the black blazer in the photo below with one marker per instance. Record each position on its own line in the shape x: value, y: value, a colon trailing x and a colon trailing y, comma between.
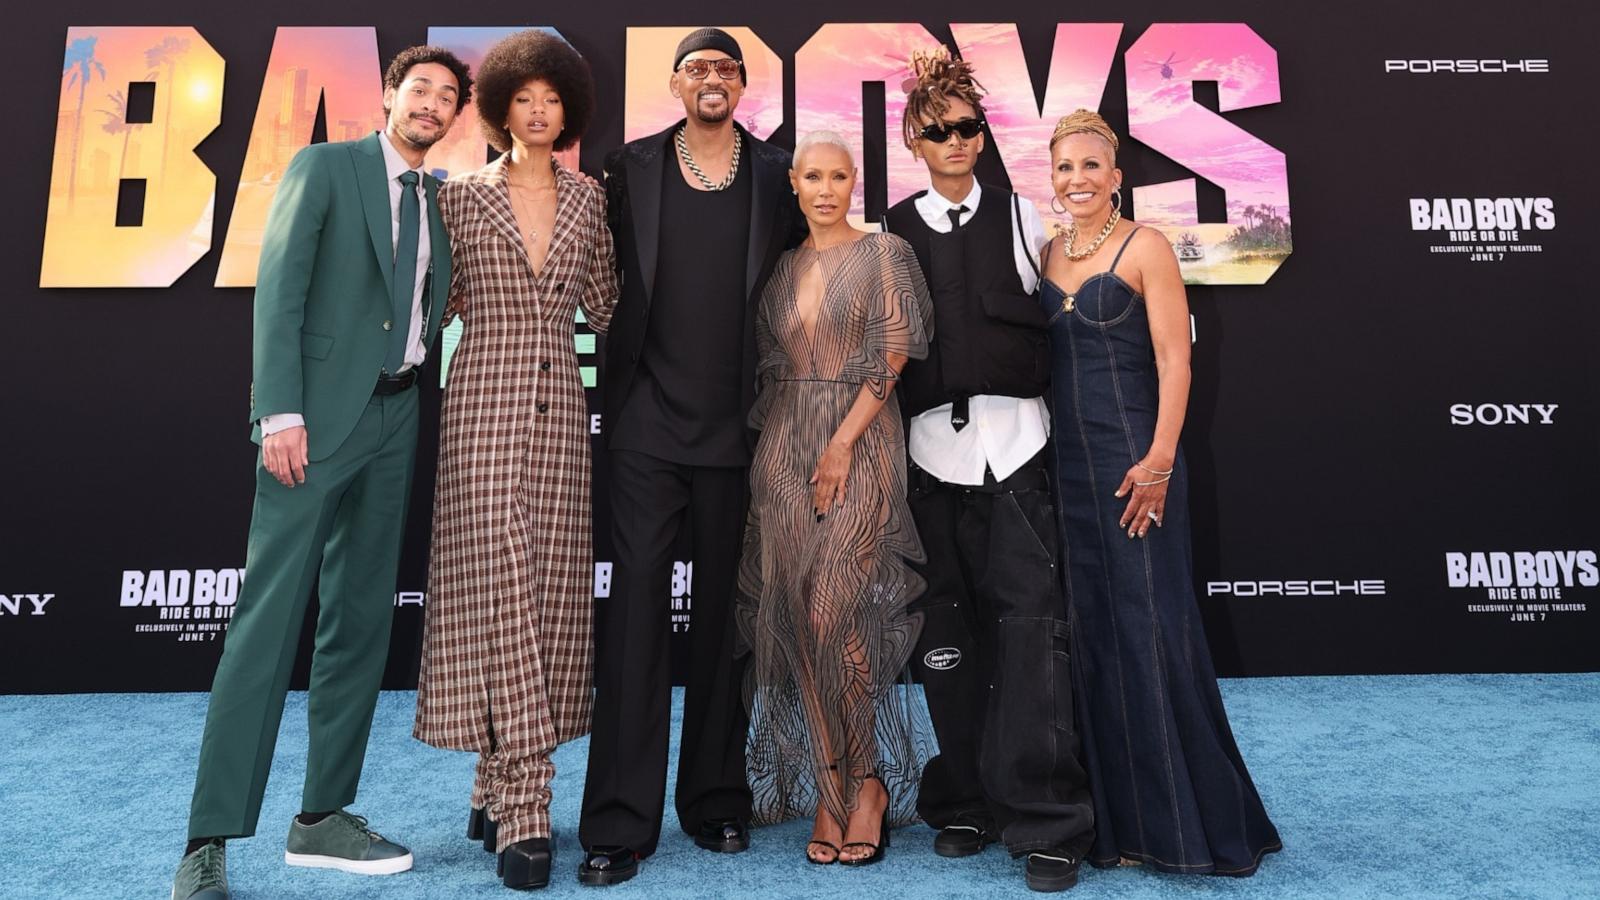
x: 633, y: 174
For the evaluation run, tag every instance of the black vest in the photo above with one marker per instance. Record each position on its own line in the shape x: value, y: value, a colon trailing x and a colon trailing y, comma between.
x: 989, y: 336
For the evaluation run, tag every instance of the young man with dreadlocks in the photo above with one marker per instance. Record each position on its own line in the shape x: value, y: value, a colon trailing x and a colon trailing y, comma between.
x: 994, y: 647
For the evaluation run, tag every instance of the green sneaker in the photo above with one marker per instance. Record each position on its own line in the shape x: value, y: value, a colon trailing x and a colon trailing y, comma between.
x: 344, y: 842
x: 203, y: 875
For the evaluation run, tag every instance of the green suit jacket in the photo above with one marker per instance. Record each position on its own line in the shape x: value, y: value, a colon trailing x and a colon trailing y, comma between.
x: 322, y: 290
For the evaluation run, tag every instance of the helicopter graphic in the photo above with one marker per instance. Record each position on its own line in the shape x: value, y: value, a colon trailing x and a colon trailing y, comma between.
x: 1165, y: 67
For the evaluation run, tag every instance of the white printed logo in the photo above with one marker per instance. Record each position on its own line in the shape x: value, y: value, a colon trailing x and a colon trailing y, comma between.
x: 24, y: 604
x: 1503, y: 413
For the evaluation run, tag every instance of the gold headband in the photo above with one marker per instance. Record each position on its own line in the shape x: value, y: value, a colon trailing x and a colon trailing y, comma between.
x: 1085, y: 121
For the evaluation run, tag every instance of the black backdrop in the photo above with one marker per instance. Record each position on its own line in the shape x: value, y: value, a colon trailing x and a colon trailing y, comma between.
x: 1322, y: 435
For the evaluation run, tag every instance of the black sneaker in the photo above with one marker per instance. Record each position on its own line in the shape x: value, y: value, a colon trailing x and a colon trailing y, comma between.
x: 1052, y: 871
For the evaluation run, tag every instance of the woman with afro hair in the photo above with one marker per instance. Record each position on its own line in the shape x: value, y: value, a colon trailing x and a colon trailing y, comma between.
x: 506, y: 663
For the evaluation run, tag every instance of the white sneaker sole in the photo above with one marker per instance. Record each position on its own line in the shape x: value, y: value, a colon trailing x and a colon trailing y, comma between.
x: 353, y: 866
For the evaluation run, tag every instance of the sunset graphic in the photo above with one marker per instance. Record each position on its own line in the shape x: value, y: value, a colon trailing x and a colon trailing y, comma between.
x: 1162, y: 66
x: 649, y: 105
x: 828, y: 73
x: 110, y: 137
x: 340, y: 67
x: 97, y: 149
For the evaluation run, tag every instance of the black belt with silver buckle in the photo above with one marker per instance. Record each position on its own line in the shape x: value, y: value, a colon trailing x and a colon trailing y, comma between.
x: 394, y: 384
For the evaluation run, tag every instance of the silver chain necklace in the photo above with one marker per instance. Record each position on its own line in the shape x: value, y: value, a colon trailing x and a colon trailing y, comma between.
x: 692, y: 166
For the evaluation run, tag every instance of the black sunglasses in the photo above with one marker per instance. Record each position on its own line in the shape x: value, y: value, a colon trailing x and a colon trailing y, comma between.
x: 939, y: 132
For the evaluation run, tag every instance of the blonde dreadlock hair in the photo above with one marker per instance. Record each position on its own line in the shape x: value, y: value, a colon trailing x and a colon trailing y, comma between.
x: 937, y: 77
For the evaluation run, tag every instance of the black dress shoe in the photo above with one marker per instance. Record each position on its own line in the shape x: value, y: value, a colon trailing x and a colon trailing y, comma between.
x: 968, y: 838
x: 1053, y: 870
x: 526, y: 864
x: 723, y: 836
x: 608, y: 865
x: 475, y: 824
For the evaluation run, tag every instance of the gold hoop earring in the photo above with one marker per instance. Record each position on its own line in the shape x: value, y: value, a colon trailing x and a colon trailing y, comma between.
x: 1116, y: 199
x: 1055, y: 201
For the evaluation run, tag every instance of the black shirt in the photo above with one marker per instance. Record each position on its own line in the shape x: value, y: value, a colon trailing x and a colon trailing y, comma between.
x: 684, y: 405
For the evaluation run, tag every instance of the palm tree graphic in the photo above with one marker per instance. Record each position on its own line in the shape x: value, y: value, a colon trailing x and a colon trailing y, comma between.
x: 117, y: 123
x: 82, y: 66
x: 166, y: 54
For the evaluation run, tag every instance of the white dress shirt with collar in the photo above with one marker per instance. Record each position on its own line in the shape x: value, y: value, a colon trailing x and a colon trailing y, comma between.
x: 1002, y: 433
x: 416, y: 349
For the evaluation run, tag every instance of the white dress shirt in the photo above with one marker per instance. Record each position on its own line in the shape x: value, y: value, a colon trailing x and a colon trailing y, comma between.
x: 416, y: 348
x: 1002, y: 433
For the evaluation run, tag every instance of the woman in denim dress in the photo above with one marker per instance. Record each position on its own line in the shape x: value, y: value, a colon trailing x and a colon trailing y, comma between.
x: 1170, y: 787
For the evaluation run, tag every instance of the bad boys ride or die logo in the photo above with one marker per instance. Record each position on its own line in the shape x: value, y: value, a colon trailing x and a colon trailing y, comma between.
x: 129, y: 191
x: 1525, y: 585
x: 1483, y: 229
x: 188, y: 605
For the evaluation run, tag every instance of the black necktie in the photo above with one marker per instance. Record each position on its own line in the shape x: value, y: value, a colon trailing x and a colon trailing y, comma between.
x: 958, y: 409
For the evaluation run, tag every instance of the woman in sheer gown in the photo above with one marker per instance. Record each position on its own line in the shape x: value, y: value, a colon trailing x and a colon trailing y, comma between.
x: 823, y: 583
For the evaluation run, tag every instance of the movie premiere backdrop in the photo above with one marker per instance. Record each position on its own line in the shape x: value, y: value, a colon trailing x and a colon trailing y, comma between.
x: 1384, y: 213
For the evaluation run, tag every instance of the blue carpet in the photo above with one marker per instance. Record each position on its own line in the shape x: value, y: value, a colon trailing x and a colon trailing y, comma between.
x: 1446, y: 786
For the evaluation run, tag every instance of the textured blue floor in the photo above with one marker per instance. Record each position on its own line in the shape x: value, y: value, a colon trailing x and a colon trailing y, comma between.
x: 1447, y: 786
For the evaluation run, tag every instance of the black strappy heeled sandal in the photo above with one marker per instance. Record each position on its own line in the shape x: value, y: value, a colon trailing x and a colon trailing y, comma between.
x: 880, y: 849
x: 822, y: 862
x: 830, y: 845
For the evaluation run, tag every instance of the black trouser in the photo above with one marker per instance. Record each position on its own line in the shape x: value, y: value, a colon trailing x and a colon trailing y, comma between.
x: 651, y: 501
x: 994, y: 663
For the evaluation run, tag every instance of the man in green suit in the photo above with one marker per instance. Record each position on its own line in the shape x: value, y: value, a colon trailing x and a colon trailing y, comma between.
x: 353, y: 280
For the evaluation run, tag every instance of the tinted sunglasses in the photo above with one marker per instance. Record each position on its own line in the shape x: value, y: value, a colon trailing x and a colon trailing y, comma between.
x: 698, y: 69
x: 938, y: 132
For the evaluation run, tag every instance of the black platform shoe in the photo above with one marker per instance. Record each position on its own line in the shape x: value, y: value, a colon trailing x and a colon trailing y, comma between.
x: 1052, y: 871
x: 964, y: 837
x: 604, y: 865
x: 723, y: 836
x: 488, y: 832
x: 475, y: 824
x: 525, y: 864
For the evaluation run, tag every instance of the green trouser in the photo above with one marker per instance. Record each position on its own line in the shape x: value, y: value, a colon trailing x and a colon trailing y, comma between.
x: 348, y: 519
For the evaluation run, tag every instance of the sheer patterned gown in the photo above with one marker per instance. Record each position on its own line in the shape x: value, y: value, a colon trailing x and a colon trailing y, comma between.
x: 823, y: 603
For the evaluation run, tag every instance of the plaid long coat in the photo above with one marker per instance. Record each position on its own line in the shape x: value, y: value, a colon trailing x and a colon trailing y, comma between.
x: 508, y: 642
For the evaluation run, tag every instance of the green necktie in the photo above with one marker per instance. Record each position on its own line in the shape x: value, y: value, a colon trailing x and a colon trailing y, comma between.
x: 405, y: 273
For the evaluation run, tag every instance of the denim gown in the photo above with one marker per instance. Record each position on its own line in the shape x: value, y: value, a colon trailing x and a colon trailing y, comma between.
x: 1170, y: 788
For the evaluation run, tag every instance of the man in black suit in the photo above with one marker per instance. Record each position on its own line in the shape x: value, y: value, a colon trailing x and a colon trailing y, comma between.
x: 700, y: 213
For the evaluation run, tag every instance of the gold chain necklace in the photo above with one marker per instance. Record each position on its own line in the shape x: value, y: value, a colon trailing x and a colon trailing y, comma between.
x: 692, y: 166
x: 1086, y: 252
x: 521, y: 208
